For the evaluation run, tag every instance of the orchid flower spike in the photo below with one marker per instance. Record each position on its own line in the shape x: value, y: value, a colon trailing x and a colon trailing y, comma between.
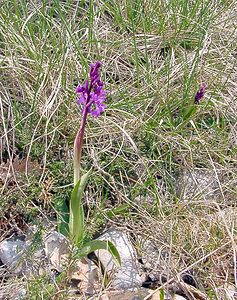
x: 199, y: 95
x: 91, y: 97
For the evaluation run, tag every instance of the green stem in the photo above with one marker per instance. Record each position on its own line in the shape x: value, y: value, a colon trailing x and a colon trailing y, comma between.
x: 78, y: 144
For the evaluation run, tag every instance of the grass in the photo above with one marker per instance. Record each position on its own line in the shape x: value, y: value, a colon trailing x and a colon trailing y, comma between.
x: 154, y: 54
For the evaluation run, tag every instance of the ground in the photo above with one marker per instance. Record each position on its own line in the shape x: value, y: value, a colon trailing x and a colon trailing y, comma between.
x: 164, y: 166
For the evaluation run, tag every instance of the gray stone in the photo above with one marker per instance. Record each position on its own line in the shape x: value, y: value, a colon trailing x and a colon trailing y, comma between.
x: 57, y: 249
x: 12, y: 253
x: 24, y: 257
x: 125, y: 276
x: 21, y: 258
x: 198, y: 183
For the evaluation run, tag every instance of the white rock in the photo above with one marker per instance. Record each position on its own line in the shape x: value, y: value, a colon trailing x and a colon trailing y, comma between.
x: 126, y: 276
x: 12, y: 253
x: 21, y: 257
x: 57, y: 249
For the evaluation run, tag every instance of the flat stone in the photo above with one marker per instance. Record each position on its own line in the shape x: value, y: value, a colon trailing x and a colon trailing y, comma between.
x: 57, y: 249
x: 21, y: 258
x: 12, y: 253
x: 125, y: 276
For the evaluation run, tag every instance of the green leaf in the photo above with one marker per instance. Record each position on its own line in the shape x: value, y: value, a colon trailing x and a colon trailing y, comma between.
x: 62, y: 217
x: 98, y: 245
x: 76, y: 216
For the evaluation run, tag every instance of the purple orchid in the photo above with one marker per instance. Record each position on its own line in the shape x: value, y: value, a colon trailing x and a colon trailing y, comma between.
x: 91, y: 96
x: 199, y: 95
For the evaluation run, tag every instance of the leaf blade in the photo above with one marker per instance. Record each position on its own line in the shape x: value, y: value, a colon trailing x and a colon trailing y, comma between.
x: 100, y: 245
x: 76, y: 214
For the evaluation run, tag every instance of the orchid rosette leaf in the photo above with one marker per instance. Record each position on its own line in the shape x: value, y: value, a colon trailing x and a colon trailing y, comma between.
x: 76, y: 217
x: 92, y: 246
